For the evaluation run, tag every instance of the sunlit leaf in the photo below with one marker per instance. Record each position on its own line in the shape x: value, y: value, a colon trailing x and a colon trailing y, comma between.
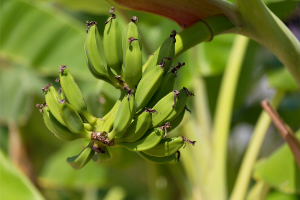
x: 13, y: 183
x: 280, y: 170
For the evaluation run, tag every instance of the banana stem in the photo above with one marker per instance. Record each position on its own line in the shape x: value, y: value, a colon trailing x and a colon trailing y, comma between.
x: 260, y: 130
x: 201, y: 31
x: 222, y: 118
x: 267, y: 29
x: 88, y: 127
x: 91, y: 119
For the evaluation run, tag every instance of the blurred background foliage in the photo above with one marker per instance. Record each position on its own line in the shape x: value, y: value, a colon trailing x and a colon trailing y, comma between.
x: 38, y: 36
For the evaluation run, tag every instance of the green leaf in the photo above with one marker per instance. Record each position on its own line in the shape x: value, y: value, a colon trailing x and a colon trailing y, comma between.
x: 280, y: 170
x: 17, y: 88
x: 275, y: 195
x: 90, y: 6
x: 282, y: 79
x: 60, y: 174
x: 42, y: 38
x: 14, y: 185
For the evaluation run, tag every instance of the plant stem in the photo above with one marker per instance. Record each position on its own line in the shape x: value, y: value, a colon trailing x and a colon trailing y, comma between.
x: 264, y: 27
x: 260, y: 130
x: 258, y: 191
x: 222, y: 118
x: 200, y: 32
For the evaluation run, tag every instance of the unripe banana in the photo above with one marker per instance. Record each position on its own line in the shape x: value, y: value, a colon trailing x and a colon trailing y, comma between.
x: 72, y: 119
x: 150, y: 139
x: 148, y: 86
x: 133, y: 64
x: 79, y: 161
x: 166, y: 147
x: 112, y: 42
x: 74, y: 95
x: 160, y: 160
x: 116, y: 106
x: 124, y: 116
x: 166, y: 86
x: 52, y: 98
x: 95, y: 56
x: 167, y: 49
x: 136, y: 129
x: 131, y: 31
x: 100, y: 157
x: 176, y: 121
x: 100, y: 122
x: 164, y: 108
x: 60, y: 91
x: 60, y: 131
x: 181, y: 104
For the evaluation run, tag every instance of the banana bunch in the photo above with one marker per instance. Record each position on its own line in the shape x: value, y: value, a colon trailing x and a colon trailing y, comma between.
x: 146, y: 111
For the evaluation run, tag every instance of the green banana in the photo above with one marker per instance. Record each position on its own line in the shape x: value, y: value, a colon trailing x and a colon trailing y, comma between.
x: 100, y: 122
x: 160, y: 160
x: 52, y: 98
x: 60, y: 131
x: 182, y: 98
x: 112, y: 42
x: 148, y: 86
x: 79, y: 161
x: 133, y: 64
x: 95, y: 56
x: 131, y: 31
x: 164, y: 108
x: 108, y: 123
x: 124, y: 116
x: 136, y: 129
x: 72, y: 119
x: 116, y: 105
x: 147, y: 62
x: 176, y: 121
x: 166, y: 147
x: 167, y: 49
x: 100, y: 157
x: 73, y: 94
x: 166, y: 85
x: 150, y: 139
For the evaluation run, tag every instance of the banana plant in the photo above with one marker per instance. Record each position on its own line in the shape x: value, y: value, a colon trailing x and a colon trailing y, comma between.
x: 203, y: 20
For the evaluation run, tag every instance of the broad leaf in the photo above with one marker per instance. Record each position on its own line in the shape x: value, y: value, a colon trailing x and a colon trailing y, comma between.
x: 17, y: 89
x: 42, y: 38
x: 280, y: 170
x: 14, y: 185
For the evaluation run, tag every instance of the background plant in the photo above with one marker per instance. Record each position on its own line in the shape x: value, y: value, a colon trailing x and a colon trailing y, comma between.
x: 36, y: 37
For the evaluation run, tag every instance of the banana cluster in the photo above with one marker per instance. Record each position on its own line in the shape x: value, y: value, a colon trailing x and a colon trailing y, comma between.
x: 148, y: 107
